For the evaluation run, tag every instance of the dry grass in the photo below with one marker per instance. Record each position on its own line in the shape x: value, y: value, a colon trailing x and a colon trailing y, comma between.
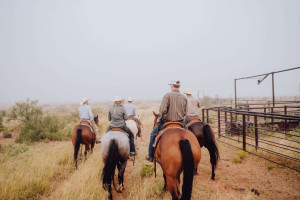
x: 46, y: 171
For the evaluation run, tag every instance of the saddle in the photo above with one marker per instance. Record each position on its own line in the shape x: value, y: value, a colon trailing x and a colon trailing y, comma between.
x: 192, y: 121
x: 119, y: 129
x: 88, y: 124
x: 166, y: 127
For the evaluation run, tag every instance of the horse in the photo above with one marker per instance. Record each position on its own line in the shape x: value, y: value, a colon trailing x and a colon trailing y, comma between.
x: 206, y: 137
x: 115, y: 153
x: 177, y: 151
x: 82, y: 134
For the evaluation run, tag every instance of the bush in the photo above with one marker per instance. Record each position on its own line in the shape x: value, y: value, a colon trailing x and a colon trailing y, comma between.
x: 35, y: 126
x: 240, y: 156
x: 147, y: 171
x: 271, y: 166
x: 2, y: 115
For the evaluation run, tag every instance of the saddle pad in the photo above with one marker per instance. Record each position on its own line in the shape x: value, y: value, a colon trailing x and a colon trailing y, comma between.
x: 160, y: 133
x: 131, y: 124
x: 192, y: 121
x: 86, y: 123
x: 173, y: 124
x: 118, y: 129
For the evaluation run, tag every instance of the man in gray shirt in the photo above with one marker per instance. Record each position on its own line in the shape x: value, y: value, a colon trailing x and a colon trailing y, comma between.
x: 172, y: 109
x: 130, y: 108
x: 85, y: 114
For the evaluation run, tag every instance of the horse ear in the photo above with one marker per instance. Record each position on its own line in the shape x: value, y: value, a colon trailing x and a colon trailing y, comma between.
x: 154, y: 113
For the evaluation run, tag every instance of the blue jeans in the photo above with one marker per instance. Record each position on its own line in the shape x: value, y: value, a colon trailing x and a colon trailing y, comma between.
x: 187, y: 119
x: 131, y: 136
x: 153, y: 136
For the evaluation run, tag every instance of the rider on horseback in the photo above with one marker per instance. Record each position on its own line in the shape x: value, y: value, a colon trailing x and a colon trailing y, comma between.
x: 117, y: 115
x: 86, y: 114
x: 192, y: 107
x: 172, y: 109
x: 130, y: 108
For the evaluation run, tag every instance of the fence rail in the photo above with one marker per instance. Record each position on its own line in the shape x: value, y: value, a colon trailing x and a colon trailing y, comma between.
x: 274, y: 136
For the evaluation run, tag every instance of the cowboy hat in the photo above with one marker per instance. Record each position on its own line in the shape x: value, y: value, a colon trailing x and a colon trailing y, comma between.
x: 188, y: 91
x: 85, y: 99
x: 174, y: 81
x: 129, y: 99
x: 117, y: 98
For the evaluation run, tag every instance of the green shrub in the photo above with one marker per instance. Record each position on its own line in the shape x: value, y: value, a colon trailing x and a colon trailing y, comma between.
x: 147, y: 171
x: 240, y: 156
x: 236, y: 159
x: 35, y: 126
x: 271, y: 166
x: 2, y: 115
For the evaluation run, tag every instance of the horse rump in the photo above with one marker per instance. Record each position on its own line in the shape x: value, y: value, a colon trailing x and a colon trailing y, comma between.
x: 188, y: 169
x: 110, y: 166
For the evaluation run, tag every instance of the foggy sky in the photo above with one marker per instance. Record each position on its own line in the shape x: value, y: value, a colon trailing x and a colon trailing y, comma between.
x: 54, y: 50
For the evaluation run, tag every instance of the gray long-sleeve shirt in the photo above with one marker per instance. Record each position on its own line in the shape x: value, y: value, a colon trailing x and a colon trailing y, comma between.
x: 117, y: 115
x: 173, y: 106
x: 192, y: 108
x: 130, y: 109
x: 85, y: 112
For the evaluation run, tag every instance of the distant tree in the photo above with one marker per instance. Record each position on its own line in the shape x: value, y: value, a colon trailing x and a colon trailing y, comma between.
x: 28, y: 113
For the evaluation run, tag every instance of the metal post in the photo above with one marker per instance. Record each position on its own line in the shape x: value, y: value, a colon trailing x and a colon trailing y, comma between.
x: 256, y: 132
x: 265, y: 111
x: 273, y: 91
x: 207, y: 117
x: 272, y: 110
x: 285, y: 121
x: 203, y: 115
x: 219, y: 123
x: 226, y: 122
x: 235, y: 93
x: 244, y: 132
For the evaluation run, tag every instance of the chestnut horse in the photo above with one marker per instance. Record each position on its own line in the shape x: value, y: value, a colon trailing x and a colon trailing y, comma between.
x: 178, y: 151
x: 82, y: 134
x: 206, y: 137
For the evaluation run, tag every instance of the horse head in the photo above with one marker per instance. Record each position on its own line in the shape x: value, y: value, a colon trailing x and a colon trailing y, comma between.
x: 96, y: 120
x: 155, y: 119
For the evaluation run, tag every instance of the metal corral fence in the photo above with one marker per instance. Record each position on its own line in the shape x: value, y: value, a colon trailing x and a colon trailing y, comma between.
x: 271, y: 136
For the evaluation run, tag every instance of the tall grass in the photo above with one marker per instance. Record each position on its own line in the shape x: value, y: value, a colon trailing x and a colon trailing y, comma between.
x: 30, y: 173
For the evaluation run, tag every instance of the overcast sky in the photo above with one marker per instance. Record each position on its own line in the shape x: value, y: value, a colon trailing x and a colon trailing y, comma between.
x: 55, y: 51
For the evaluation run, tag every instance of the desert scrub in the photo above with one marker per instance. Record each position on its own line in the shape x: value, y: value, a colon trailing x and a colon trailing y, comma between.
x: 9, y: 151
x: 271, y: 166
x: 240, y: 156
x: 147, y: 171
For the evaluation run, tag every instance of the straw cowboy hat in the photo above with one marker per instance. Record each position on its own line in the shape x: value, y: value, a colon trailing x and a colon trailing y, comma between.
x: 117, y: 98
x: 188, y: 91
x: 129, y: 99
x: 84, y: 100
x: 174, y: 81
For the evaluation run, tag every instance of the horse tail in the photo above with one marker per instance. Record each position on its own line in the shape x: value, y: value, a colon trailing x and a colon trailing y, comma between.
x: 77, y: 142
x: 188, y: 169
x: 211, y: 145
x: 110, y: 165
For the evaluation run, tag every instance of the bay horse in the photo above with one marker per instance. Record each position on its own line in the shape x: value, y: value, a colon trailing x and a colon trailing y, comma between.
x: 82, y: 134
x: 206, y: 137
x: 177, y: 151
x: 115, y: 153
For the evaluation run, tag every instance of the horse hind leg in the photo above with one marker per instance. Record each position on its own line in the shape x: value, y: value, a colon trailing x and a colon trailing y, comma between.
x: 172, y: 187
x: 121, y: 175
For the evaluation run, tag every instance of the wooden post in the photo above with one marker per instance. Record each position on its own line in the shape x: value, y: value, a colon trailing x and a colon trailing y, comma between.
x: 203, y: 115
x: 207, y: 117
x: 226, y: 122
x: 285, y: 121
